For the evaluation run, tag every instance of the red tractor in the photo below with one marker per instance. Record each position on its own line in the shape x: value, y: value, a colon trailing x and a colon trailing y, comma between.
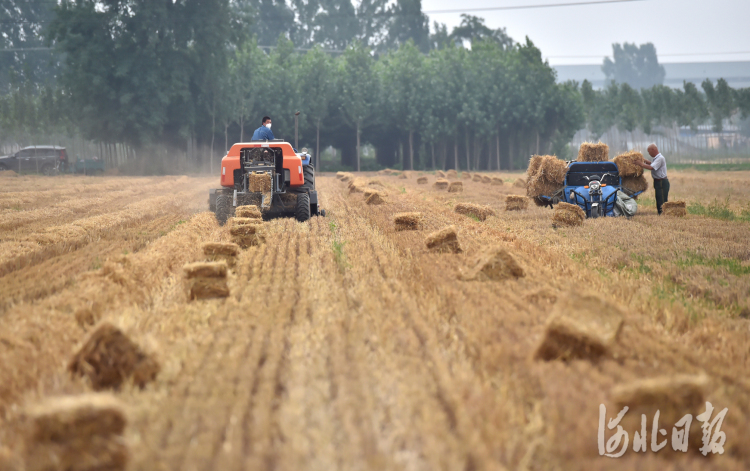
x: 270, y: 175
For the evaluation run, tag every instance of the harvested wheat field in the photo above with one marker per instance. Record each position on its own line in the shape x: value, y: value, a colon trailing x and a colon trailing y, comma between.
x: 347, y: 343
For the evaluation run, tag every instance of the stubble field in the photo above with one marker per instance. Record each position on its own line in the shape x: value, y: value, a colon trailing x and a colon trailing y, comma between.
x: 346, y: 344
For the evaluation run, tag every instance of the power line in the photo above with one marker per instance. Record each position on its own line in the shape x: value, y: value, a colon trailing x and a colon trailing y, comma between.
x: 527, y: 7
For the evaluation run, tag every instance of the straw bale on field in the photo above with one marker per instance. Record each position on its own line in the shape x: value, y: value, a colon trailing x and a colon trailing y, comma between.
x: 374, y: 197
x: 471, y: 209
x: 444, y: 241
x: 476, y: 178
x: 455, y: 187
x: 440, y: 184
x: 540, y: 186
x: 584, y: 326
x: 534, y: 163
x: 519, y: 183
x: 221, y: 251
x: 403, y: 176
x: 516, y: 203
x: 466, y: 175
x: 250, y: 211
x: 451, y: 174
x: 207, y: 288
x: 497, y: 181
x: 422, y: 181
x: 627, y: 164
x: 76, y: 433
x: 375, y: 182
x: 247, y: 234
x: 408, y: 221
x: 486, y: 179
x: 205, y: 269
x: 566, y: 214
x: 495, y: 264
x: 440, y: 174
x: 635, y: 184
x: 339, y: 175
x: 8, y: 173
x: 593, y: 152
x: 357, y: 185
x: 674, y: 208
x: 108, y: 358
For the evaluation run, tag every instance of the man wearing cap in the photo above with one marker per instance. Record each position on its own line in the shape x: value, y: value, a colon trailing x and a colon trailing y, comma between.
x: 658, y: 167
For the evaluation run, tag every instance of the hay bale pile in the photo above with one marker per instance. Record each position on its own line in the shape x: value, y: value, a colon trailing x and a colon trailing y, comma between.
x: 77, y: 433
x: 495, y: 264
x: 221, y: 251
x: 546, y: 177
x: 674, y: 208
x: 444, y: 241
x: 497, y: 181
x: 591, y: 152
x: 566, y: 214
x: 439, y: 174
x: 451, y: 174
x: 374, y: 196
x: 471, y: 209
x: 246, y: 232
x: 476, y: 178
x: 408, y: 221
x: 516, y: 203
x: 206, y: 280
x: 108, y: 358
x: 466, y: 176
x: 627, y: 164
x: 456, y: 187
x: 422, y: 181
x: 580, y: 327
x: 635, y: 184
x: 250, y: 211
x: 441, y: 184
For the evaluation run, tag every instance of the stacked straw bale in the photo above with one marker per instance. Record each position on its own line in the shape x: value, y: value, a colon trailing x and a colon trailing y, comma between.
x: 422, y: 181
x: 466, y: 176
x: 497, y: 181
x: 580, y: 327
x: 246, y: 232
x: 635, y: 184
x: 546, y: 177
x: 207, y: 280
x: 516, y: 203
x: 441, y: 184
x: 495, y: 264
x: 591, y: 152
x: 456, y: 187
x: 486, y: 179
x: 108, y: 358
x: 440, y: 174
x: 471, y: 209
x: 444, y: 241
x: 566, y: 214
x: 221, y: 251
x: 249, y: 211
x: 76, y: 433
x: 408, y: 221
x: 674, y: 208
x: 627, y: 164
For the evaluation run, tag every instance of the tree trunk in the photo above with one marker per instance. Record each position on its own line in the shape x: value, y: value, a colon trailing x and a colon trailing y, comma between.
x: 455, y: 154
x: 358, y: 158
x: 537, y: 143
x: 497, y: 148
x: 411, y: 150
x: 213, y: 137
x: 510, y: 150
x: 432, y: 146
x: 468, y: 153
x: 226, y: 138
x: 317, y: 144
x: 242, y: 129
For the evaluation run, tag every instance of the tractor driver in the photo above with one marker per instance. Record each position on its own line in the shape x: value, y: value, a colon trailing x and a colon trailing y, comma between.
x: 263, y: 133
x: 658, y: 167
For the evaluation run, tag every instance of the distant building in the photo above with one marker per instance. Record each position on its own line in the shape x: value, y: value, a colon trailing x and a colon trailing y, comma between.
x: 737, y: 74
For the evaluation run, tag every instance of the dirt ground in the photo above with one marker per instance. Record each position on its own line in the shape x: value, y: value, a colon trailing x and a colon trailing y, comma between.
x: 348, y: 345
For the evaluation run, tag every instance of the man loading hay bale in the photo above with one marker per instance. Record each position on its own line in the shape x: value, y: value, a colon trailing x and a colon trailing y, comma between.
x: 658, y: 167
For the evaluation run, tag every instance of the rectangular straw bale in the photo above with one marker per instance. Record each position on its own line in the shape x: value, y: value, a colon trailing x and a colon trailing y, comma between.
x: 76, y: 433
x: 552, y: 170
x: 466, y: 175
x: 486, y: 179
x: 519, y: 183
x: 440, y: 174
x: 408, y: 221
x: 220, y: 248
x: 375, y: 182
x: 422, y: 181
x: 471, y: 209
x: 246, y: 229
x: 566, y: 214
x: 516, y: 203
x: 540, y: 186
x: 340, y: 175
x: 497, y: 181
x: 206, y: 288
x: 580, y: 327
x: 534, y: 163
x: 627, y: 164
x: 444, y: 241
x: 259, y: 182
x: 249, y: 211
x: 456, y: 187
x: 476, y: 178
x: 451, y: 174
x: 593, y: 152
x: 674, y: 208
x: 108, y: 358
x: 494, y: 264
x: 635, y: 184
x: 441, y: 184
x: 374, y: 197
x: 206, y: 269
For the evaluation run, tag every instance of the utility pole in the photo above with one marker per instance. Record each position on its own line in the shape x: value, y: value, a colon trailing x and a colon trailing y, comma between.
x: 296, y: 128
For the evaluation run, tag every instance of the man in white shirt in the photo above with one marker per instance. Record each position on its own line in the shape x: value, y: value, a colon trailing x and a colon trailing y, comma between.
x: 658, y: 167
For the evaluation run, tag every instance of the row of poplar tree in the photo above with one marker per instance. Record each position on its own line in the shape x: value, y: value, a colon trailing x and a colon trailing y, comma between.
x: 203, y: 73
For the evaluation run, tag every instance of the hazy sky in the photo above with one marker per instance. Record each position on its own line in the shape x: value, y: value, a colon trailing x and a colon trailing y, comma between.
x: 705, y: 27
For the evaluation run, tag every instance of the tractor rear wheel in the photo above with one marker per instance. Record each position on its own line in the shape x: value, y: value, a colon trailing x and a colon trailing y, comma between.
x: 309, y: 172
x: 302, y: 209
x: 223, y: 208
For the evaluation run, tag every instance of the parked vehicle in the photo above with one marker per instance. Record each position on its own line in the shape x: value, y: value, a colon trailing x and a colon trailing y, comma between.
x: 47, y: 160
x: 89, y: 166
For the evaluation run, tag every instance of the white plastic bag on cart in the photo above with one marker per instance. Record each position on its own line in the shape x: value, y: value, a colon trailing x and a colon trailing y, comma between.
x: 625, y: 205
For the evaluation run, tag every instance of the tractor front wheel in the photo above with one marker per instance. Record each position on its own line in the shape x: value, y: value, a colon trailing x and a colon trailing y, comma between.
x: 223, y: 208
x: 302, y: 210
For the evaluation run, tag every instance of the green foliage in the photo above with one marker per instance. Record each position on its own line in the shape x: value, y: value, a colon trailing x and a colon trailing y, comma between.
x: 718, y: 210
x: 732, y: 265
